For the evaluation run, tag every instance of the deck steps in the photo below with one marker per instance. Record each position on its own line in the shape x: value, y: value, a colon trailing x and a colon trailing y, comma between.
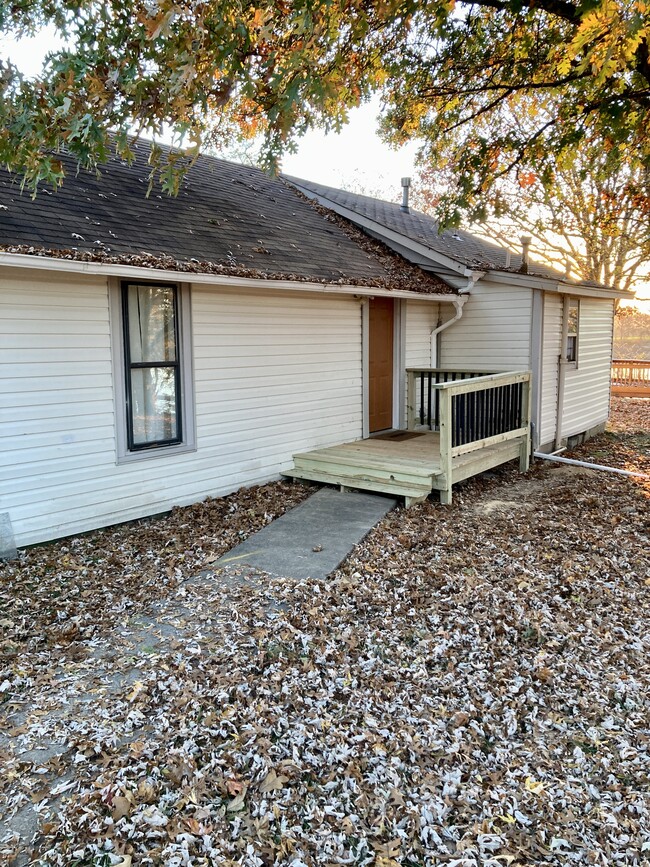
x: 409, y: 469
x: 412, y: 493
x: 396, y: 471
x: 404, y: 477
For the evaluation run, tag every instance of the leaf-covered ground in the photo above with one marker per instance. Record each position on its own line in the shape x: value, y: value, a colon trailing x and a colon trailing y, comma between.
x: 469, y: 688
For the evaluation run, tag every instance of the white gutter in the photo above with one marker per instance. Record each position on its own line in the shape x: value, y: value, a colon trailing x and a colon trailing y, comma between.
x: 589, y: 466
x: 550, y: 284
x: 459, y: 303
x: 107, y: 269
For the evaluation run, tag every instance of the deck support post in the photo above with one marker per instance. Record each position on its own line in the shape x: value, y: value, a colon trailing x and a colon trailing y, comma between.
x: 524, y: 449
x: 446, y: 426
x: 410, y: 400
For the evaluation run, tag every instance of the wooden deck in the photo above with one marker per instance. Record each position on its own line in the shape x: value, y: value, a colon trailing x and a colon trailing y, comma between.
x: 631, y: 378
x: 404, y: 463
x: 460, y: 423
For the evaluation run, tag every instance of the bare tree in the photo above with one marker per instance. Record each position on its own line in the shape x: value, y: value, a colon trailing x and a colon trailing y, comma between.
x: 591, y: 216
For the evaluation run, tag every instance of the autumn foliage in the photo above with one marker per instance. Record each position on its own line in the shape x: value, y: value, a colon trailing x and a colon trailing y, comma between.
x: 452, y: 74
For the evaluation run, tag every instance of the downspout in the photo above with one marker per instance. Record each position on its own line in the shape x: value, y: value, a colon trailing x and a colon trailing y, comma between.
x: 561, y: 373
x: 588, y: 465
x: 459, y: 303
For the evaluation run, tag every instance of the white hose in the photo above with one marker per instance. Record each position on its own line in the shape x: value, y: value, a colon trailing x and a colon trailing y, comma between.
x: 589, y: 466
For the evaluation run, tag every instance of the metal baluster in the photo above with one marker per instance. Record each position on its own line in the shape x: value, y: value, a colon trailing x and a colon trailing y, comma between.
x: 421, y: 397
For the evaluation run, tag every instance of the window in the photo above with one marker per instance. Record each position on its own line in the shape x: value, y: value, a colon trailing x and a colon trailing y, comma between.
x: 150, y: 315
x: 573, y: 324
x: 152, y: 364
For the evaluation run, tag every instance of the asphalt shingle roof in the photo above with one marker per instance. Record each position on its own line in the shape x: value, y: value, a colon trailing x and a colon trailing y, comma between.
x: 457, y: 244
x: 231, y: 215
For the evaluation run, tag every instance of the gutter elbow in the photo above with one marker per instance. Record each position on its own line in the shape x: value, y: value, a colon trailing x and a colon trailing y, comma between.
x: 458, y: 302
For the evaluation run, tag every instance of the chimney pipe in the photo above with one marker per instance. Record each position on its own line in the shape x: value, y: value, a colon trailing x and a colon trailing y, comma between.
x: 567, y: 268
x: 525, y: 246
x: 406, y: 183
x: 507, y: 257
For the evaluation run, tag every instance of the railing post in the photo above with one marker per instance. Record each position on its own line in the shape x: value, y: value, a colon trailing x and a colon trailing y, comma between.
x: 410, y: 400
x: 446, y: 428
x: 524, y: 448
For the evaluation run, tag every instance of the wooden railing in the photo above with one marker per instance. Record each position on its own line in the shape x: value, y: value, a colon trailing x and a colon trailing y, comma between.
x: 471, y: 410
x: 631, y: 378
x: 423, y: 396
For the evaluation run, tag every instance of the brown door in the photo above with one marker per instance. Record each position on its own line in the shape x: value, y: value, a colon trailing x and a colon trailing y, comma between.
x: 380, y: 367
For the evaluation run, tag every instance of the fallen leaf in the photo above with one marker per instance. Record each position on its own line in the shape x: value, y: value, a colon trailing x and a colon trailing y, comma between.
x: 272, y: 782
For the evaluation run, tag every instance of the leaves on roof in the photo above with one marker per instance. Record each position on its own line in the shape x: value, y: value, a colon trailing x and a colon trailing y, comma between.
x: 398, y: 267
x: 401, y: 277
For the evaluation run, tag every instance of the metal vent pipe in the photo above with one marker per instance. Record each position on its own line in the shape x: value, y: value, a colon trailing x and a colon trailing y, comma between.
x: 406, y: 183
x: 525, y: 248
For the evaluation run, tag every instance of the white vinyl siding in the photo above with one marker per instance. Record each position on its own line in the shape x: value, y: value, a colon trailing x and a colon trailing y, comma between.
x: 57, y: 404
x: 421, y: 320
x: 551, y: 348
x: 586, y: 388
x: 494, y: 332
x: 273, y: 375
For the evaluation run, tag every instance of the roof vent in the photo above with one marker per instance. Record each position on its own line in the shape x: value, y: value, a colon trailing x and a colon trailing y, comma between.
x: 406, y: 183
x: 525, y: 247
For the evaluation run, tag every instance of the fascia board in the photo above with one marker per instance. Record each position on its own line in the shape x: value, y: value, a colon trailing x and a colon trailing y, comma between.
x: 548, y: 284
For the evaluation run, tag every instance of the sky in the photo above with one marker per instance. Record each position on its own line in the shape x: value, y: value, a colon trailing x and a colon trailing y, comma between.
x: 355, y: 159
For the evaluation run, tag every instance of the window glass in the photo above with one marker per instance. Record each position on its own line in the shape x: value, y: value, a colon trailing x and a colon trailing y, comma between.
x: 153, y: 395
x: 572, y: 331
x: 152, y: 323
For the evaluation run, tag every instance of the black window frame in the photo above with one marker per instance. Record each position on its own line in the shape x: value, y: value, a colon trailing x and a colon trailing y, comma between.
x: 129, y: 366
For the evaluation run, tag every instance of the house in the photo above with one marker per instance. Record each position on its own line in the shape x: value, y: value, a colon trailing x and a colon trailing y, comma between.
x: 520, y: 314
x: 159, y: 350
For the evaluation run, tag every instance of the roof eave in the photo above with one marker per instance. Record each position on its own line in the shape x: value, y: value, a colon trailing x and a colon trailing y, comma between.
x: 109, y: 269
x: 551, y: 284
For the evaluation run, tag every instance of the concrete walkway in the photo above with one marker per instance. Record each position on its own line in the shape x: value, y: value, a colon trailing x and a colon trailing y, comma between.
x: 311, y: 540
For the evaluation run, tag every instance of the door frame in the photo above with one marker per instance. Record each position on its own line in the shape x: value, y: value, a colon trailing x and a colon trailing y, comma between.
x: 399, y: 347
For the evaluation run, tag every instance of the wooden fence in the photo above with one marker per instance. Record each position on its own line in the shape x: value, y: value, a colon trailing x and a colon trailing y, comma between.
x: 631, y: 378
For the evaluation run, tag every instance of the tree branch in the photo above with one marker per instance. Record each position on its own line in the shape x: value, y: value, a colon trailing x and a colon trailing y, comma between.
x: 559, y: 8
x: 643, y: 60
x: 567, y: 12
x: 510, y: 87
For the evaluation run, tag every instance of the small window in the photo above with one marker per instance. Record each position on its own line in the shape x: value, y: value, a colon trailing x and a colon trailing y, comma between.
x: 152, y: 364
x: 573, y: 324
